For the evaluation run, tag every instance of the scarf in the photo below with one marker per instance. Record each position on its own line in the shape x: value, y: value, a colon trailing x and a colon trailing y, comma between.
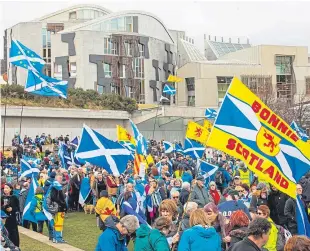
x: 215, y: 195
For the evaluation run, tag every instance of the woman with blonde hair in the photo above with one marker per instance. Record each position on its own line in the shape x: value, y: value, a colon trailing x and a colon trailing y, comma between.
x: 200, y: 236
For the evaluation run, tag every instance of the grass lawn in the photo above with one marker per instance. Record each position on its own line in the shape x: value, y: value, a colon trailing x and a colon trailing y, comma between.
x: 29, y: 244
x: 80, y: 231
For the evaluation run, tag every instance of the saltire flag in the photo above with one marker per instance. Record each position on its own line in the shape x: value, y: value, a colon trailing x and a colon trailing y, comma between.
x: 27, y: 170
x: 128, y: 209
x: 128, y: 145
x: 193, y: 148
x: 210, y: 113
x: 173, y: 78
x: 169, y: 148
x: 100, y: 151
x: 197, y: 132
x: 169, y: 90
x: 301, y: 132
x: 63, y: 155
x: 22, y: 56
x: 141, y: 142
x: 42, y: 85
x: 303, y: 226
x: 27, y: 215
x: 248, y: 130
x: 207, y: 170
x: 178, y: 149
x: 124, y: 135
x: 35, y: 161
x: 84, y: 190
x: 75, y: 142
x: 74, y: 161
x: 207, y: 124
x: 56, y: 185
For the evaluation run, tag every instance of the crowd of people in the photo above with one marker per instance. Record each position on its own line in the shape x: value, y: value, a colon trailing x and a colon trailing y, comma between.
x: 173, y: 206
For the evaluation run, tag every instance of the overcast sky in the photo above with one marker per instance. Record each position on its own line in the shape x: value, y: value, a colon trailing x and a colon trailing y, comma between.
x: 286, y: 23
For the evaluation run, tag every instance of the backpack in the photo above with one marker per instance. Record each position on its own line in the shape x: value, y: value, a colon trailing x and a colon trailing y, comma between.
x: 219, y: 178
x: 282, y: 237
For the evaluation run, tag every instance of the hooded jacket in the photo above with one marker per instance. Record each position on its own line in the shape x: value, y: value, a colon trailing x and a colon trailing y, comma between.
x: 199, y: 238
x: 111, y: 239
x: 150, y: 239
x: 36, y: 207
x: 237, y: 234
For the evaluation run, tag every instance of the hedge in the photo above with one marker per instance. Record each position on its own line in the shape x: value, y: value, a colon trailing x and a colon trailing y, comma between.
x: 77, y: 98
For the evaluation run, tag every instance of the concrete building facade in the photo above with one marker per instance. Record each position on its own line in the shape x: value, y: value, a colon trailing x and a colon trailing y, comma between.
x: 130, y: 53
x: 281, y: 70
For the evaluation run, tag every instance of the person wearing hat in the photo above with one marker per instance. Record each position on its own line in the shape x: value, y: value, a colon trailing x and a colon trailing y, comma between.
x: 10, y: 205
x: 199, y: 193
x: 259, y: 197
x: 244, y: 173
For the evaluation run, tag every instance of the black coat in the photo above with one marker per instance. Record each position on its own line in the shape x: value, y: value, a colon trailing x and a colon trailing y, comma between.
x: 6, y: 202
x: 184, y: 196
x: 256, y: 201
x: 59, y: 197
x: 245, y: 245
x: 237, y: 234
x: 276, y: 204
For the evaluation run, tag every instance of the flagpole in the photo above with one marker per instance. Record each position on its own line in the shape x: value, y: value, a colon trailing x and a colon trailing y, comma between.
x: 21, y: 120
x: 155, y: 120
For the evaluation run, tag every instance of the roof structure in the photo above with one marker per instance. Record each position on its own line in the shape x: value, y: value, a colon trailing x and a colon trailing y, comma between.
x: 192, y: 51
x: 75, y: 7
x: 221, y: 48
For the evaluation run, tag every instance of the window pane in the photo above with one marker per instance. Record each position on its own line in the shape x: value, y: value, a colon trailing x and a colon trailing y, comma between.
x: 113, y: 24
x: 86, y: 14
x: 121, y: 24
x: 100, y: 89
x: 72, y: 15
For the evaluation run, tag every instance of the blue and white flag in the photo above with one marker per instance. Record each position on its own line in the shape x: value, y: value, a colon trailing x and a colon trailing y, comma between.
x: 303, y: 225
x: 27, y: 215
x: 84, y: 190
x: 128, y: 145
x: 179, y: 149
x: 35, y: 161
x: 74, y: 161
x: 193, y: 149
x: 56, y: 185
x: 75, y: 142
x: 169, y: 90
x: 27, y: 170
x: 42, y: 85
x: 100, y: 151
x: 207, y: 170
x: 210, y: 113
x: 140, y: 140
x: 128, y: 209
x: 22, y: 56
x: 62, y: 154
x: 169, y: 148
x: 301, y: 132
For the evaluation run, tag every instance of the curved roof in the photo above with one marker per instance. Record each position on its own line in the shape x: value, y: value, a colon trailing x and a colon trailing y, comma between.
x: 115, y: 15
x: 75, y: 7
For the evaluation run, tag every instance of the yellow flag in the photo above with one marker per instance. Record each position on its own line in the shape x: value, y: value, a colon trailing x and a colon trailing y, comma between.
x: 172, y: 78
x: 207, y: 124
x: 249, y: 130
x: 124, y: 135
x: 197, y: 132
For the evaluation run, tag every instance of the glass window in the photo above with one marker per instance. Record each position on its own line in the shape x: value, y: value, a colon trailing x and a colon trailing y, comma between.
x: 141, y: 50
x: 107, y: 70
x: 113, y: 24
x: 72, y: 15
x: 190, y: 83
x: 100, y: 89
x: 49, y: 52
x: 138, y: 67
x: 121, y: 24
x: 44, y: 37
x: 122, y: 71
x: 57, y: 68
x: 128, y: 49
x: 86, y: 14
x: 110, y: 47
x: 129, y: 24
x: 72, y: 69
x: 191, y: 101
x: 308, y: 85
x: 44, y: 53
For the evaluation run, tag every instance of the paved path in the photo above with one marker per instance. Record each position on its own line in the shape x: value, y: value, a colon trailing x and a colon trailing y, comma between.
x: 44, y: 239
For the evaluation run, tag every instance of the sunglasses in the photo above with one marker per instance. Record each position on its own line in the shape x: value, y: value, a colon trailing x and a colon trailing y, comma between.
x: 260, y: 213
x: 175, y: 197
x: 240, y: 191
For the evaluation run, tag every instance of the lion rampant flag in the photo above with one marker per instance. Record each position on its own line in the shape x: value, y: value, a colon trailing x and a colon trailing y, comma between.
x: 124, y: 135
x: 141, y: 159
x: 197, y: 132
x: 247, y: 129
x: 172, y: 79
x: 207, y: 124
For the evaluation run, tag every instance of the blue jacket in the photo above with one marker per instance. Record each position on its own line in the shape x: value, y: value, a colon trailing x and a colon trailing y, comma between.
x: 36, y: 208
x: 186, y: 177
x: 111, y: 239
x: 227, y: 177
x: 198, y: 238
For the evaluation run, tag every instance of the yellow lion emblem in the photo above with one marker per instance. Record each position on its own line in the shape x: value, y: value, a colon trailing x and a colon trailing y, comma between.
x: 268, y: 142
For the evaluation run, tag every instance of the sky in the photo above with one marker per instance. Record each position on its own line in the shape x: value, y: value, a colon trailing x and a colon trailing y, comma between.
x: 263, y: 22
